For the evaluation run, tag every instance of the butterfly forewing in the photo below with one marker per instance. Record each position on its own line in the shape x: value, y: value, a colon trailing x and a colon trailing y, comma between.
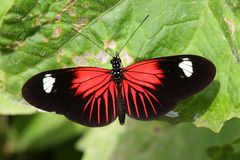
x: 152, y: 87
x: 86, y: 95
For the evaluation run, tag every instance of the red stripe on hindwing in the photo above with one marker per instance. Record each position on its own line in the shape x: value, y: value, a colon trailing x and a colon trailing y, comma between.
x: 86, y: 105
x: 142, y: 81
x: 149, y: 100
x: 133, y: 92
x: 98, y: 109
x: 112, y: 87
x: 125, y: 90
x: 98, y: 93
x: 144, y: 105
x: 137, y: 90
x: 91, y: 110
x: 105, y: 97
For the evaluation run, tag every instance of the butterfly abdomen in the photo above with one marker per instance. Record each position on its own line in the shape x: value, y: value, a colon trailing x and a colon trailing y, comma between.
x: 120, y: 105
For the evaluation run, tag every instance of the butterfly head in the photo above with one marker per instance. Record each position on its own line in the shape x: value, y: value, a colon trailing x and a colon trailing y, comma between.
x: 116, y: 69
x: 115, y: 60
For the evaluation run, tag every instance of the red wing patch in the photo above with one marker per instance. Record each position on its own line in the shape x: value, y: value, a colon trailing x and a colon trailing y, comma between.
x: 97, y: 89
x: 140, y: 89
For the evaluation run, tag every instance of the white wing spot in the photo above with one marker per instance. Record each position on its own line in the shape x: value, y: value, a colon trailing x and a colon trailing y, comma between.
x: 48, y: 82
x: 172, y: 114
x: 187, y: 67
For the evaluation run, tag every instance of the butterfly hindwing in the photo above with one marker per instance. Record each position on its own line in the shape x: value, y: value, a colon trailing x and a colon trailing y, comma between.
x: 152, y: 87
x: 86, y: 95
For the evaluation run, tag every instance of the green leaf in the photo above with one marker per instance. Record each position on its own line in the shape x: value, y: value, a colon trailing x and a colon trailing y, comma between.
x: 38, y: 36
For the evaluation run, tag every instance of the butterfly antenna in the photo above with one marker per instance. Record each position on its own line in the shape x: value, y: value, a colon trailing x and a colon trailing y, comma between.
x: 92, y: 42
x: 132, y: 34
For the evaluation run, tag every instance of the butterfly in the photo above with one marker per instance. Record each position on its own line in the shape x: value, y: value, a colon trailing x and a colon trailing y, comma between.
x: 95, y: 96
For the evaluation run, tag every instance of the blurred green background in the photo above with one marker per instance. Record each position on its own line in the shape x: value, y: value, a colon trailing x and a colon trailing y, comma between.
x: 36, y: 35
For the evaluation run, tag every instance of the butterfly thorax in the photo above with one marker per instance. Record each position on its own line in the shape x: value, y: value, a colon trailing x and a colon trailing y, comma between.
x: 116, y: 71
